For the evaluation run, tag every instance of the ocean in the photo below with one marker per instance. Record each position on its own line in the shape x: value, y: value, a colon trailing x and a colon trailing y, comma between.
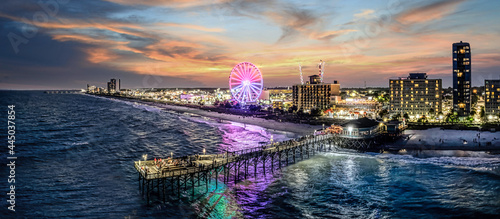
x: 75, y: 156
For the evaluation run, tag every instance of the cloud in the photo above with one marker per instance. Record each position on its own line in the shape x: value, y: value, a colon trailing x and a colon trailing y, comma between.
x: 433, y: 11
x: 365, y: 13
x: 192, y: 27
x: 98, y: 55
x: 168, y: 3
x: 328, y: 35
x: 190, y: 44
x: 294, y: 21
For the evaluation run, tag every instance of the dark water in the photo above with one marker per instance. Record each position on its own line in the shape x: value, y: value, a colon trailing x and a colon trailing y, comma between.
x: 76, y: 156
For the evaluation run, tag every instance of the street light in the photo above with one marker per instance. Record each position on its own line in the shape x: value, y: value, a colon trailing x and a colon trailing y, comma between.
x: 172, y: 155
x: 204, y: 151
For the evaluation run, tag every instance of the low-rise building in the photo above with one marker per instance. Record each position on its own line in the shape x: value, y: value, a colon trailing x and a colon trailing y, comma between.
x: 362, y: 128
x: 416, y: 95
x: 491, y: 98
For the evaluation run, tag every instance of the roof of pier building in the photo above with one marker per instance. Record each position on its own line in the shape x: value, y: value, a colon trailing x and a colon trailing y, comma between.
x: 361, y: 123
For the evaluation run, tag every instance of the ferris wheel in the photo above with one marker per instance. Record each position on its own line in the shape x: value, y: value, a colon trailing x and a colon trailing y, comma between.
x: 245, y: 82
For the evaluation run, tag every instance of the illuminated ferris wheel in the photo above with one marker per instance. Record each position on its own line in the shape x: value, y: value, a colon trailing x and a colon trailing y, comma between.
x: 245, y: 82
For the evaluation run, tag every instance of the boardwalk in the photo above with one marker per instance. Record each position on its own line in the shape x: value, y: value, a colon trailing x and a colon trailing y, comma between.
x: 172, y: 176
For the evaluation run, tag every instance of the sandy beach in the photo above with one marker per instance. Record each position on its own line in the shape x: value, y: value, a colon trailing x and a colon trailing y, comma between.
x: 438, y: 138
x: 298, y: 129
x: 433, y: 138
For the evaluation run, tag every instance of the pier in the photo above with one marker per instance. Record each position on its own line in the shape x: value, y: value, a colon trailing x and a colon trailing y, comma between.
x: 172, y: 176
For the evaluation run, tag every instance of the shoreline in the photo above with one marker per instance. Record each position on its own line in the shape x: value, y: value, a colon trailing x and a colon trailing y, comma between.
x: 430, y: 136
x: 271, y: 125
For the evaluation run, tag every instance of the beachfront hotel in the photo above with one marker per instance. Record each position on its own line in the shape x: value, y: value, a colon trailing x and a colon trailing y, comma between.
x: 491, y: 98
x: 416, y: 95
x: 461, y: 78
x: 113, y: 86
x: 315, y: 94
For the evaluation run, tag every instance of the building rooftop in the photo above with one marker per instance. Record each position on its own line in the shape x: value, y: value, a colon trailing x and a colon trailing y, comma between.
x: 461, y: 43
x: 361, y: 123
x: 417, y: 76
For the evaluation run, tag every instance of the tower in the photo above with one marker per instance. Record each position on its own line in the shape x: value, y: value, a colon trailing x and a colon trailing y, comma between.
x: 461, y: 78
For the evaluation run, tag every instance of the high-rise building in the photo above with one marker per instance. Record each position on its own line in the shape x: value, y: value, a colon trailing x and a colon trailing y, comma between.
x: 113, y: 87
x: 491, y: 98
x: 315, y: 94
x: 416, y: 95
x: 461, y: 78
x: 110, y: 86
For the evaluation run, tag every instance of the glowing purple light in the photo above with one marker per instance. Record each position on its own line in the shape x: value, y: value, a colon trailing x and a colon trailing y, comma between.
x: 245, y: 82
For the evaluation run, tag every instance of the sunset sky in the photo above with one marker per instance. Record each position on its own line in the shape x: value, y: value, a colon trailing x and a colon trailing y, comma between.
x: 68, y: 44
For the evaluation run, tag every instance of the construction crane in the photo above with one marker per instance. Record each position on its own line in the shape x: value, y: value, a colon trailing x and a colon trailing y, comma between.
x: 301, y: 77
x: 321, y: 69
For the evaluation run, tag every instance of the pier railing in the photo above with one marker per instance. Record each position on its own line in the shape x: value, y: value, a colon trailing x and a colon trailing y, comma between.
x: 187, y: 172
x: 149, y: 170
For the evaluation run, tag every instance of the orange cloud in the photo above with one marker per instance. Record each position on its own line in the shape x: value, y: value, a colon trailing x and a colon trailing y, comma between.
x: 99, y: 55
x: 192, y: 27
x: 170, y: 3
x: 85, y: 39
x: 329, y: 34
x: 366, y: 13
x: 429, y: 12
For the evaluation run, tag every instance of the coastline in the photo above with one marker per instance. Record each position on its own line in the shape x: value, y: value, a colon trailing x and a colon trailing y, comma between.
x: 297, y: 129
x: 428, y: 139
x: 439, y: 139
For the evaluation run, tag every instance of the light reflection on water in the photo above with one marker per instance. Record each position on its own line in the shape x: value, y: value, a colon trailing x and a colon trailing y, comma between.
x: 345, y: 184
x: 77, y: 153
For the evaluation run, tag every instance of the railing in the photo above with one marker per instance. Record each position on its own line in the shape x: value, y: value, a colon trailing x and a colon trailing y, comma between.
x: 228, y: 157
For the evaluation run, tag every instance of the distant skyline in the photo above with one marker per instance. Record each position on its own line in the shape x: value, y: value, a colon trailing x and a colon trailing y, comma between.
x: 63, y: 44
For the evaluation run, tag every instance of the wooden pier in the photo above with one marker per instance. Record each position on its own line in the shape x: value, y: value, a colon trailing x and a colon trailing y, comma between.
x: 173, y: 176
